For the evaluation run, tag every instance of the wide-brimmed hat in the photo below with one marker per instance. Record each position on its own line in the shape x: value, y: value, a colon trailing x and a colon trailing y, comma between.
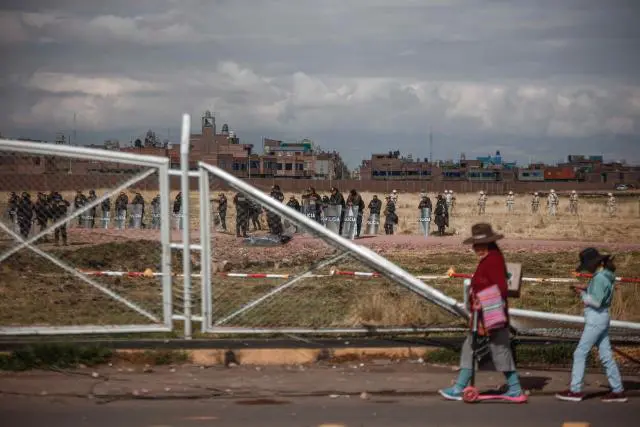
x: 589, y: 258
x: 482, y: 233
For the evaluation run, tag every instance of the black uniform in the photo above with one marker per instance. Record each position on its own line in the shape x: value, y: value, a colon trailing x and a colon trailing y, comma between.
x: 425, y: 203
x: 177, y: 204
x: 105, y: 206
x: 273, y: 220
x: 222, y: 211
x: 254, y: 213
x: 155, y: 211
x: 390, y: 217
x: 375, y: 206
x: 242, y: 203
x: 25, y: 214
x: 294, y: 204
x: 41, y: 209
x: 337, y: 199
x: 80, y: 201
x: 94, y: 210
x: 59, y: 208
x: 122, y: 202
x: 442, y: 215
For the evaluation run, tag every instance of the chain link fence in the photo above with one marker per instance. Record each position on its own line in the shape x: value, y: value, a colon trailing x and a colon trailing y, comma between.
x: 69, y: 243
x: 253, y: 232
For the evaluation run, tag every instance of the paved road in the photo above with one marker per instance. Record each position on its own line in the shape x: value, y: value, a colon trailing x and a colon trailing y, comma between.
x: 312, y: 412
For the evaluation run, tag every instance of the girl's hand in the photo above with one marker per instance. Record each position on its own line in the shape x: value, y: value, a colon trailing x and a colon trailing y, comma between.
x: 578, y: 289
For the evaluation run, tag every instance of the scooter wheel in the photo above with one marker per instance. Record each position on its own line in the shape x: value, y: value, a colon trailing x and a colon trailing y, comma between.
x: 470, y: 394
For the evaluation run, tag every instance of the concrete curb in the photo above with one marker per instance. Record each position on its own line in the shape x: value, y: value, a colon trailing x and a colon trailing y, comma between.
x: 302, y: 356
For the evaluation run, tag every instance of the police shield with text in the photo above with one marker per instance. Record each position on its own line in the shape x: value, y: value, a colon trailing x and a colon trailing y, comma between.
x: 425, y: 209
x: 373, y: 222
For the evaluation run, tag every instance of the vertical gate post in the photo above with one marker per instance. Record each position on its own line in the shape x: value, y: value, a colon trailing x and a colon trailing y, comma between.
x: 186, y: 249
x: 165, y: 240
x: 205, y: 253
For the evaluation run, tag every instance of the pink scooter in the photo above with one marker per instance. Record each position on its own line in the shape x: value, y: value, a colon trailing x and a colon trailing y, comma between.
x: 471, y: 394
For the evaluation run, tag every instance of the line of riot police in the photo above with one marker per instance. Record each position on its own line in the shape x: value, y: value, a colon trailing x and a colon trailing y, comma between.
x: 23, y: 212
x: 340, y: 215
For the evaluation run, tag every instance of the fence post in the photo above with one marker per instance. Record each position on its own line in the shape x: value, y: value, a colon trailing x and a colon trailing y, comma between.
x: 165, y: 238
x: 205, y: 253
x: 186, y: 249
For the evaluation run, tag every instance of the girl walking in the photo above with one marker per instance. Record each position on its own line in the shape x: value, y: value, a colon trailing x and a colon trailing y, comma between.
x: 597, y: 297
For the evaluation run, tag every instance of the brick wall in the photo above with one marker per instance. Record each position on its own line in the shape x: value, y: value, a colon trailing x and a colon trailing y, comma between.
x: 65, y: 182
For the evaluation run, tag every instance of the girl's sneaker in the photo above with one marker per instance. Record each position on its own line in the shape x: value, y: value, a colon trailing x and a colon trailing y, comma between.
x: 451, y: 393
x: 569, y: 396
x: 615, y: 397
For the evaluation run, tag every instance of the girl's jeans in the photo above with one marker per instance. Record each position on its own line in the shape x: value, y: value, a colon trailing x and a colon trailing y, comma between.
x: 596, y: 333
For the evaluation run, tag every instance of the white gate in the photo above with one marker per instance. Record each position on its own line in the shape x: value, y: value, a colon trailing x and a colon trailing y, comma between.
x: 69, y: 292
x: 226, y: 321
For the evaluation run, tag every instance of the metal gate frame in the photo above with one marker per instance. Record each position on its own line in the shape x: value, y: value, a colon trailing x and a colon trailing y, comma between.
x: 348, y: 247
x: 159, y: 165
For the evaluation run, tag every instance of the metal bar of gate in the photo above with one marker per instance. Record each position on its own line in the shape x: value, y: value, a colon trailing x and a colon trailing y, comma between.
x: 281, y: 288
x: 232, y: 330
x: 205, y: 253
x: 37, y: 148
x: 384, y: 266
x: 186, y: 250
x: 165, y: 239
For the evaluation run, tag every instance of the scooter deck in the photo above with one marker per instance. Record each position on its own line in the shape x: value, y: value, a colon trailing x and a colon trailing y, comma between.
x: 472, y: 395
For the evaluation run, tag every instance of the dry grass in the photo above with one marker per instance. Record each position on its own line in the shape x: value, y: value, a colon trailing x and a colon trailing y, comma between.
x: 35, y: 292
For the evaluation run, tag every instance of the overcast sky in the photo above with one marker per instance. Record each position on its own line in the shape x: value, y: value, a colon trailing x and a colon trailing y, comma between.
x: 535, y: 79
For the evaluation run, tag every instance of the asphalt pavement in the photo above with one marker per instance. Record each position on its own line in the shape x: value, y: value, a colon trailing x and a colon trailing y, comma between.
x: 311, y: 411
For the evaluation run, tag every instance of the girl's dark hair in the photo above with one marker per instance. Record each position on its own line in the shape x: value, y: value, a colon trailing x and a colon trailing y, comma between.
x: 609, y: 264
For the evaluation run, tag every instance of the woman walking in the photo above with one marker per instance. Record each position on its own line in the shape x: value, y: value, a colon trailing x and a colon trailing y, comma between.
x: 490, y: 273
x: 597, y: 298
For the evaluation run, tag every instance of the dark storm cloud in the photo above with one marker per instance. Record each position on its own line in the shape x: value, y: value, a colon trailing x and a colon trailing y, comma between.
x: 483, y: 73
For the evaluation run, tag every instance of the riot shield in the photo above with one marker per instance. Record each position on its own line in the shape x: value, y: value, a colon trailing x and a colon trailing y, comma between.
x: 425, y: 221
x: 309, y: 210
x: 80, y: 218
x: 216, y: 218
x: 106, y: 218
x: 350, y: 228
x: 136, y: 216
x: 121, y: 218
x: 373, y: 224
x: 155, y: 217
x: 177, y: 220
x: 86, y: 218
x: 332, y: 215
x: 12, y: 216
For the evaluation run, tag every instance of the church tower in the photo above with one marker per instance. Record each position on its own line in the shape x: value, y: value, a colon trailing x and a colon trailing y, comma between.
x: 208, y: 125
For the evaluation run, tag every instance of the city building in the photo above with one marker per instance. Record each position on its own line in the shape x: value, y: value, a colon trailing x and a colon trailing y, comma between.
x: 391, y: 166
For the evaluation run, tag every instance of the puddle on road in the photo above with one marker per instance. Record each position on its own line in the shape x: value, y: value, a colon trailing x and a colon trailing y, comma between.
x: 262, y: 402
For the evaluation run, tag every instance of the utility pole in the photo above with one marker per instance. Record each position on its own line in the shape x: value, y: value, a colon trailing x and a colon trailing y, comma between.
x: 430, y: 145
